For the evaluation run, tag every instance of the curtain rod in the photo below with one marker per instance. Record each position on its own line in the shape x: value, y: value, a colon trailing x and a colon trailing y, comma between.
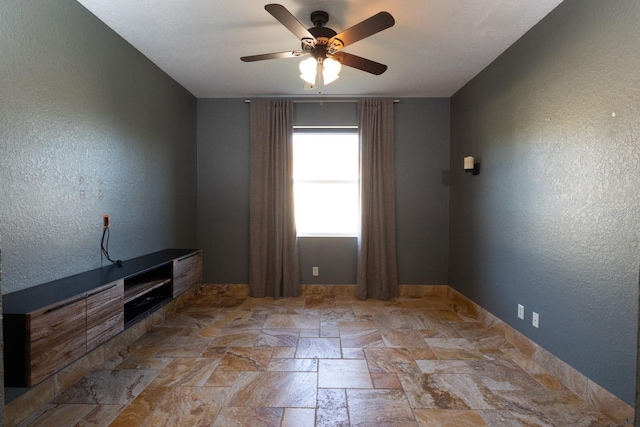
x: 321, y: 101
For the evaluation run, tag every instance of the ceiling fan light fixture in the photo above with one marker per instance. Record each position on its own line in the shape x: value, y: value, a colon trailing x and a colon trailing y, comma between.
x: 330, y: 70
x: 308, y: 70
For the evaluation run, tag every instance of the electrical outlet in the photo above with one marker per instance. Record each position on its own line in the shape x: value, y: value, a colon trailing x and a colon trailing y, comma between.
x: 535, y: 320
x: 106, y: 222
x: 520, y: 311
x: 315, y: 271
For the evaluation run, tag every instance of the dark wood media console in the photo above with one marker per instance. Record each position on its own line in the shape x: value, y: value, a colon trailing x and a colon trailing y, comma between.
x: 49, y: 326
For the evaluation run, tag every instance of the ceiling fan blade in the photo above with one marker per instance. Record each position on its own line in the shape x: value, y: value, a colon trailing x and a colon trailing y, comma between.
x: 360, y: 63
x: 288, y: 20
x: 275, y: 55
x: 366, y: 28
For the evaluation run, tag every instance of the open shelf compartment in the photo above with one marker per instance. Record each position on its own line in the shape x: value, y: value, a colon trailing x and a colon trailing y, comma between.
x: 146, y: 291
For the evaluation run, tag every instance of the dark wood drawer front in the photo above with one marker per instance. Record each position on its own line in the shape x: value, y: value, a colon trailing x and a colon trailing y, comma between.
x: 58, y: 337
x: 105, y: 314
x: 187, y: 272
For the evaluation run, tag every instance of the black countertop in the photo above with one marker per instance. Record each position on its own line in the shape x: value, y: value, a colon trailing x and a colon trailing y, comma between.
x: 34, y: 298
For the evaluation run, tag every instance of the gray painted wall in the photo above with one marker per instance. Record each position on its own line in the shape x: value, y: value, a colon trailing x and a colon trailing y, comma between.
x: 88, y: 126
x: 553, y: 220
x: 223, y: 189
x: 422, y: 190
x: 422, y: 193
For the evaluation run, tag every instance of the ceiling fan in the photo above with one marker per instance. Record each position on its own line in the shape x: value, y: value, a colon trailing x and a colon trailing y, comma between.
x: 324, y: 45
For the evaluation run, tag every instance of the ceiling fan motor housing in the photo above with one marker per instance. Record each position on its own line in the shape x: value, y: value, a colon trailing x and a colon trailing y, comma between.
x: 319, y: 18
x: 322, y: 35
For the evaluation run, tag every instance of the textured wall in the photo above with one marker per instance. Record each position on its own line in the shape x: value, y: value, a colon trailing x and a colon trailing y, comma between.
x: 422, y: 190
x: 422, y: 193
x: 553, y: 220
x: 88, y: 126
x: 223, y: 189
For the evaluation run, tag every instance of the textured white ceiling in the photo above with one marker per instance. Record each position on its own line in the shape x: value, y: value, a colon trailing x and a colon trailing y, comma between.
x: 435, y: 47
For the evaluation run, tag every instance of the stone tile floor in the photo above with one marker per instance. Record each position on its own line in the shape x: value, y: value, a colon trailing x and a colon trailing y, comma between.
x: 319, y: 361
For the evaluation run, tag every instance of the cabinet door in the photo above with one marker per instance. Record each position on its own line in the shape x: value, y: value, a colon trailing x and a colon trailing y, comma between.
x: 105, y: 313
x: 57, y: 337
x: 187, y: 272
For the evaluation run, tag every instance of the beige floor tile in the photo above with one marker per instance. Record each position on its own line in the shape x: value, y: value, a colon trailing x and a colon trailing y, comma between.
x: 385, y: 380
x: 337, y: 315
x: 237, y: 339
x: 332, y: 408
x: 299, y: 417
x: 435, y: 418
x: 402, y: 322
x: 448, y: 391
x: 391, y: 360
x: 340, y: 373
x: 189, y: 406
x: 136, y: 413
x: 288, y: 321
x: 185, y: 372
x: 500, y: 418
x: 444, y: 315
x: 108, y: 387
x: 283, y: 352
x: 323, y: 361
x: 352, y: 353
x: 455, y: 349
x: 274, y: 389
x: 310, y: 333
x: 245, y: 359
x: 379, y: 407
x: 278, y: 338
x: 411, y: 339
x: 187, y: 319
x: 145, y: 358
x: 330, y: 330
x: 214, y: 354
x: 293, y: 365
x: 157, y: 337
x: 423, y: 354
x: 221, y: 378
x: 100, y: 415
x: 186, y: 350
x: 321, y: 348
x: 254, y: 417
x: 440, y: 330
x: 51, y: 415
x: 360, y: 338
x: 560, y: 408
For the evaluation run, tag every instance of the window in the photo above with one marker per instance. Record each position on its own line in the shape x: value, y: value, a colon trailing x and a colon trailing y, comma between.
x: 326, y: 181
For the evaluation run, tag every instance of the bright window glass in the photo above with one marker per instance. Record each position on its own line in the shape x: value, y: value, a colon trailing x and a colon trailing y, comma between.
x: 326, y: 182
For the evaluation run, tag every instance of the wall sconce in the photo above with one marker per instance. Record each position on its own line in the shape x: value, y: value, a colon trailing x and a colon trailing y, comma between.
x: 471, y: 166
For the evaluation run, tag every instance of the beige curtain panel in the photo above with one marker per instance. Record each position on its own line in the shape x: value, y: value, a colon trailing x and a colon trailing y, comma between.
x: 377, y: 275
x: 273, y: 250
